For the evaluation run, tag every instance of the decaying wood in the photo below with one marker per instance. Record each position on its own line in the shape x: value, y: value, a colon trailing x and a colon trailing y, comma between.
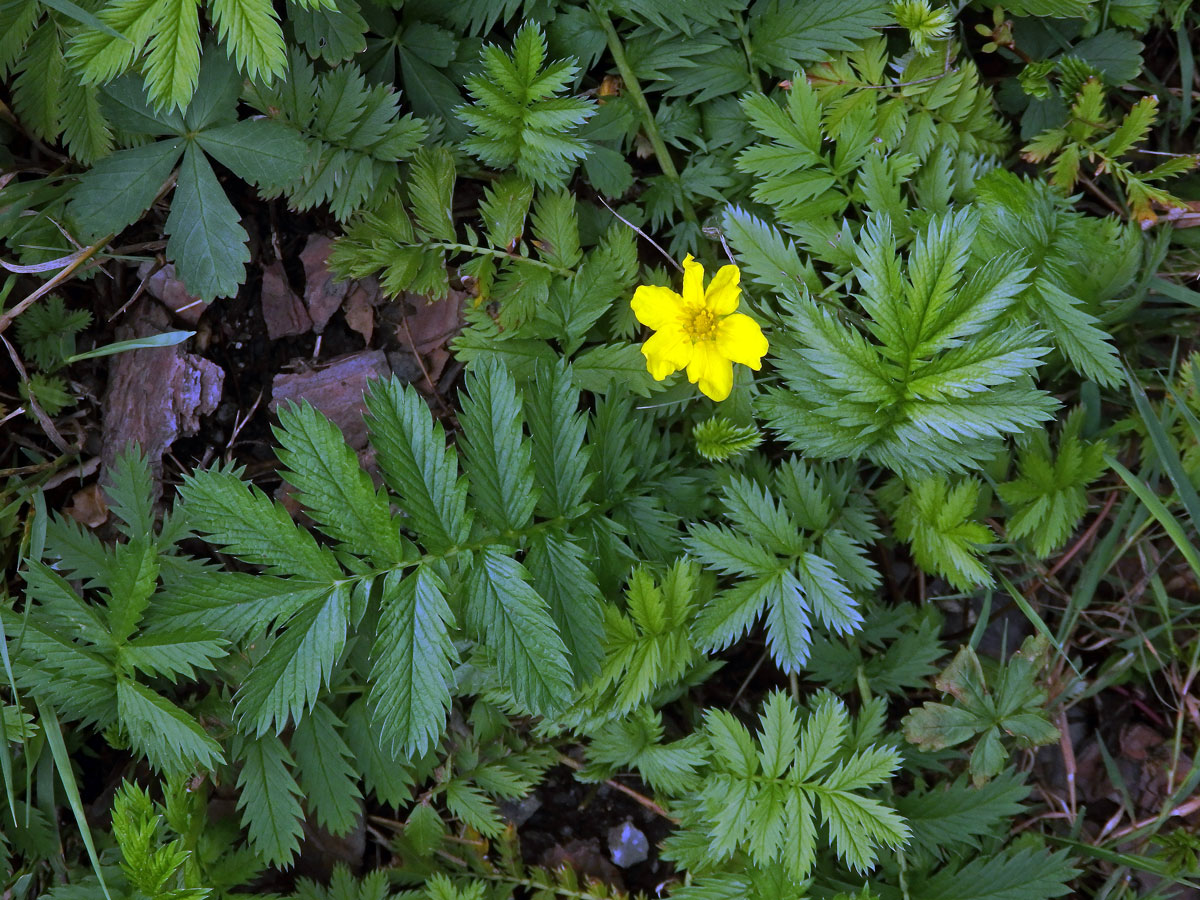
x: 155, y: 396
x: 336, y: 389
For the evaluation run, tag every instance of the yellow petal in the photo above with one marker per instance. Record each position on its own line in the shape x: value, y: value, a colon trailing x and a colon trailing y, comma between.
x: 656, y: 307
x: 710, y: 371
x: 693, y: 281
x: 723, y: 291
x: 666, y: 351
x: 740, y: 339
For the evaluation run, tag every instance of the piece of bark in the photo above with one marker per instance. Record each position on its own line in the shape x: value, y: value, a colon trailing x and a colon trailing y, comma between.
x: 283, y: 311
x: 154, y: 396
x: 166, y: 288
x: 323, y: 293
x: 336, y: 390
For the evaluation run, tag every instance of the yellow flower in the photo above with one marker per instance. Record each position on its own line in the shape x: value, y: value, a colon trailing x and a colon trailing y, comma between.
x: 699, y: 331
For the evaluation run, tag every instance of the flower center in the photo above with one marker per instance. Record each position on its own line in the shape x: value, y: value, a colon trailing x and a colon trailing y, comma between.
x: 700, y: 324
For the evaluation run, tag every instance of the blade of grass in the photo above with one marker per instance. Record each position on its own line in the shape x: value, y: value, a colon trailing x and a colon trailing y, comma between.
x: 166, y: 339
x: 1133, y: 861
x: 1164, y: 450
x: 1101, y: 559
x: 6, y: 766
x: 1036, y: 620
x: 62, y: 761
x: 1156, y: 508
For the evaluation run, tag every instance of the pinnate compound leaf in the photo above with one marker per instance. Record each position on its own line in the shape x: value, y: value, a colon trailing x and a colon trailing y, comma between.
x: 207, y: 241
x: 412, y: 673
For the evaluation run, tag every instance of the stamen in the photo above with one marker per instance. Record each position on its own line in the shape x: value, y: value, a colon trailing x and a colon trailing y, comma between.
x: 700, y: 325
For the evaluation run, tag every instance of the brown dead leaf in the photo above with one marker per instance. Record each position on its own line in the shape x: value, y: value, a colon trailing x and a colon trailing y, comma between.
x: 323, y: 293
x: 423, y: 330
x: 88, y: 506
x: 359, y: 310
x: 283, y: 311
x: 165, y: 287
x: 1138, y: 741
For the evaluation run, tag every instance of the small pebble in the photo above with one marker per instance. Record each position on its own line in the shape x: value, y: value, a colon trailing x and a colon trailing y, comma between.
x: 519, y: 812
x: 627, y: 845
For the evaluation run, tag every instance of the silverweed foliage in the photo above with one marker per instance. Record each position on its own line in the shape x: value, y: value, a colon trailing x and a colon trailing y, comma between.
x: 808, y: 626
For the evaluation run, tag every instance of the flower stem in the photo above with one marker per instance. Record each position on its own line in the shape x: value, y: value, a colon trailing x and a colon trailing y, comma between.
x: 661, y: 153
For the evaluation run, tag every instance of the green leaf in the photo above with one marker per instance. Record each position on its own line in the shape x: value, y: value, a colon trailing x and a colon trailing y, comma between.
x: 387, y: 775
x: 556, y: 428
x: 236, y: 603
x: 512, y: 620
x: 955, y: 814
x: 288, y: 680
x: 165, y: 339
x: 136, y: 577
x: 333, y: 32
x: 250, y: 30
x: 173, y: 59
x: 247, y: 524
x: 114, y: 38
x: 327, y: 774
x: 207, y: 242
x: 126, y: 103
x: 62, y: 764
x: 169, y: 654
x: 562, y: 576
x: 765, y: 254
x: 118, y: 189
x: 412, y: 672
x: 129, y: 488
x: 1014, y: 874
x: 784, y: 36
x: 717, y: 439
x: 416, y: 463
x: 934, y: 726
x: 939, y: 522
x: 517, y: 120
x: 172, y: 741
x: 258, y: 150
x: 431, y: 190
x: 333, y: 486
x: 86, y: 132
x: 496, y: 456
x: 268, y: 797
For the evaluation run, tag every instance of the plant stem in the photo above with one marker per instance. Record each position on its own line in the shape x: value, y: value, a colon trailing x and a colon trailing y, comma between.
x: 755, y: 80
x: 661, y: 153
